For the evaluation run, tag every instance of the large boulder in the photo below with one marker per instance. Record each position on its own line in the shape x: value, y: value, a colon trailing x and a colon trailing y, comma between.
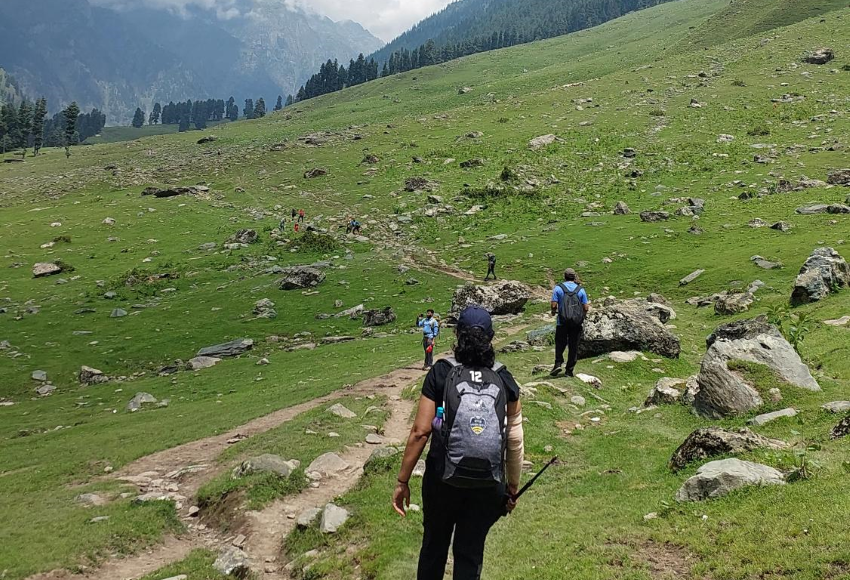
x: 379, y: 317
x: 333, y: 518
x: 141, y: 399
x: 504, y: 297
x: 627, y: 325
x: 542, y: 141
x: 327, y: 465
x: 43, y: 269
x: 819, y: 56
x: 233, y: 562
x: 665, y: 392
x: 244, y: 237
x: 724, y: 392
x: 839, y: 177
x: 712, y: 441
x: 720, y: 478
x: 652, y: 216
x: 824, y: 271
x: 227, y: 349
x: 301, y: 277
x: 91, y: 376
x: 266, y: 463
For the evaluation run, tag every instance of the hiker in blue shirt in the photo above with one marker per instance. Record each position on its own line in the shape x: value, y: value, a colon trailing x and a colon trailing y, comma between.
x: 430, y: 331
x: 570, y: 303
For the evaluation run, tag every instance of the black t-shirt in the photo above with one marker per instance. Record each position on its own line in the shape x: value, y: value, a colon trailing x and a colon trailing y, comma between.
x: 433, y: 388
x: 435, y: 382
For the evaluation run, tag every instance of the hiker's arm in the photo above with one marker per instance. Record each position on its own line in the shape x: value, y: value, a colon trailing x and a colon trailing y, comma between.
x: 516, y: 446
x: 419, y: 434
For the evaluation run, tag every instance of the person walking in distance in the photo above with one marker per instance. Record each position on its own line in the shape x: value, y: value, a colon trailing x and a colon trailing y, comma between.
x: 301, y: 215
x: 470, y: 409
x: 491, y: 266
x: 294, y: 214
x: 430, y: 331
x: 570, y: 304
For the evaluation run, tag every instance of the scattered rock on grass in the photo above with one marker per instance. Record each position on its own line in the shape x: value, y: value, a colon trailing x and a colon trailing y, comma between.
x: 327, y: 465
x: 766, y: 418
x: 233, y: 562
x: 202, y: 362
x: 90, y: 500
x: 333, y: 518
x: 841, y: 430
x: 691, y: 277
x: 301, y: 277
x: 227, y: 349
x: 824, y: 271
x: 266, y: 463
x: 307, y: 517
x: 504, y: 297
x: 139, y: 400
x: 712, y: 441
x: 44, y: 269
x: 837, y: 407
x: 665, y: 392
x: 342, y: 411
x: 91, y: 376
x: 719, y: 478
x: 542, y: 141
x: 379, y: 317
x: 819, y: 56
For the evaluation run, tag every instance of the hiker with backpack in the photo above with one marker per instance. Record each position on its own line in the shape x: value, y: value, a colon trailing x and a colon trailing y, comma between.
x: 430, y: 331
x: 491, y: 266
x: 570, y: 304
x: 470, y: 410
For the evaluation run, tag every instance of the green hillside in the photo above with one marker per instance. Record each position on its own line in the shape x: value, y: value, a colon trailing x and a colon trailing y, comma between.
x: 143, y: 291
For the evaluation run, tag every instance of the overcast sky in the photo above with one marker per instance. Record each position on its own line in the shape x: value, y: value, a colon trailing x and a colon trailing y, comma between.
x: 386, y: 19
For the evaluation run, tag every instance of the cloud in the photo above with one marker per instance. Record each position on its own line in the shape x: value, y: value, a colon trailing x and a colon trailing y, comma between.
x: 386, y: 19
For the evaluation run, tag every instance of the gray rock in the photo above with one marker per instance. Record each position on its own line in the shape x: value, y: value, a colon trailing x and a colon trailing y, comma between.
x: 839, y: 177
x: 44, y: 269
x: 765, y: 264
x: 624, y: 326
x: 843, y: 321
x: 40, y: 376
x: 665, y: 392
x: 374, y: 439
x: 244, y: 237
x: 90, y: 376
x: 233, y: 562
x: 713, y: 441
x: 837, y: 407
x: 139, y: 400
x: 622, y: 208
x: 841, y: 430
x: 691, y: 277
x: 720, y: 478
x: 504, y: 297
x: 578, y: 401
x: 208, y: 247
x: 654, y: 216
x: 824, y: 271
x: 337, y: 339
x: 118, y: 313
x: 379, y: 317
x: 228, y: 349
x: 45, y: 390
x: 341, y: 411
x: 820, y: 56
x: 770, y: 417
x: 264, y: 308
x: 315, y: 172
x: 781, y: 226
x: 623, y: 357
x: 352, y: 313
x: 723, y: 392
x: 333, y: 518
x: 327, y: 465
x: 375, y: 461
x: 419, y: 470
x: 542, y: 141
x: 301, y: 277
x: 266, y: 463
x: 91, y: 500
x: 202, y: 362
x: 307, y: 517
x: 736, y: 303
x: 691, y: 390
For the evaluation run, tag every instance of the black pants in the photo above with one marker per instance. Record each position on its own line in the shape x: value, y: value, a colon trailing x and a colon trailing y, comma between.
x: 429, y: 356
x: 491, y: 269
x: 567, y: 336
x: 469, y: 513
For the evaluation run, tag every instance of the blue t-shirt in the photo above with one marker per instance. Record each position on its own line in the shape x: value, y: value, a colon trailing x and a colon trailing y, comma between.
x: 430, y: 328
x: 558, y: 294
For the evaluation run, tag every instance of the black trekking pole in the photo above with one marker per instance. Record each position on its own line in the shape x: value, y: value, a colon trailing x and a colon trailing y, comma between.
x: 530, y: 482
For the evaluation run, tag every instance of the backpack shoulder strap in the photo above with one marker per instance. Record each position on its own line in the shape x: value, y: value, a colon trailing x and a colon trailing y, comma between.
x: 452, y: 361
x: 497, y: 366
x: 576, y: 291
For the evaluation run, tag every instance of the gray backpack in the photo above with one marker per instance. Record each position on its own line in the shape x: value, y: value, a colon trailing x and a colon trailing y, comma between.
x: 570, y: 309
x: 475, y: 404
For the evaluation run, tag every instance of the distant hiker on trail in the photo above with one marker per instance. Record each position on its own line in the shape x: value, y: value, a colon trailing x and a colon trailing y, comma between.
x: 355, y: 227
x: 570, y: 304
x: 491, y: 266
x: 282, y: 226
x: 294, y: 214
x: 430, y: 331
x: 470, y: 404
x: 297, y: 227
x: 301, y: 215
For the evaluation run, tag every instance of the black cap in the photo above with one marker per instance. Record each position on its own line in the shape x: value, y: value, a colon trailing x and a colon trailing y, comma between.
x: 476, y: 317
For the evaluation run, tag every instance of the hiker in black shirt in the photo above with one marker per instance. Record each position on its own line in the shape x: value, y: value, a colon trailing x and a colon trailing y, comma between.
x: 463, y: 513
x: 491, y: 266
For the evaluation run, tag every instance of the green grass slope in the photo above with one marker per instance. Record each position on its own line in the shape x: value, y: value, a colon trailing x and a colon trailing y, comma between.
x: 625, y: 84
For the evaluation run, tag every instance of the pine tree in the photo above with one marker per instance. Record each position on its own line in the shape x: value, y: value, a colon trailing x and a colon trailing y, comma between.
x: 24, y: 125
x: 71, y: 137
x: 249, y: 109
x: 260, y: 109
x: 155, y: 115
x: 279, y: 105
x: 38, y: 116
x: 8, y: 126
x: 289, y: 100
x: 385, y: 72
x: 184, y: 123
x: 139, y: 118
